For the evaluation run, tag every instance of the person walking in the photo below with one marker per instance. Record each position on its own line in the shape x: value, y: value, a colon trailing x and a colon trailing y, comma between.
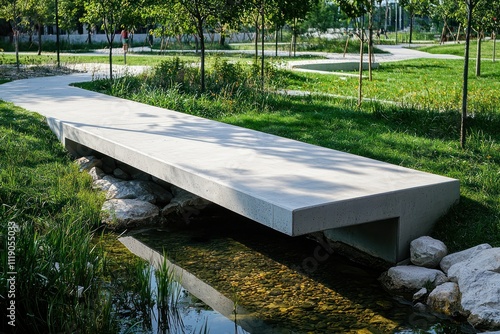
x: 124, y: 39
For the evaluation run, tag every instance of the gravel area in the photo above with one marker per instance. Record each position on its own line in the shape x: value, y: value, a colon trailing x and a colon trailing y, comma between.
x: 10, y: 72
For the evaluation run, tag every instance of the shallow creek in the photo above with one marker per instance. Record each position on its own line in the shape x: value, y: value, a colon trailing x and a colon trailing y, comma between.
x: 278, y: 284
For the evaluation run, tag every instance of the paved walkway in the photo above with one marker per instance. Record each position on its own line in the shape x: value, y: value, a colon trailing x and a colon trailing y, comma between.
x: 290, y: 186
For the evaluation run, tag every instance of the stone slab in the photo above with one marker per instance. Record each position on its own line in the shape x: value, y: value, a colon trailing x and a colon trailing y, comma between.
x: 290, y: 186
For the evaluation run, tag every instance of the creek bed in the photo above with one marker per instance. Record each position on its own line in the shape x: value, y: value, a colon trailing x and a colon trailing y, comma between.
x: 290, y: 285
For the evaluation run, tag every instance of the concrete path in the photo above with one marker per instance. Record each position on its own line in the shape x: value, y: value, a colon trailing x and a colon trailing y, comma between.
x: 394, y: 53
x: 290, y: 186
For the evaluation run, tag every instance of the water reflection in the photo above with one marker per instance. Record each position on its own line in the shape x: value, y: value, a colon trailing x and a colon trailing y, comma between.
x: 202, y: 309
x: 235, y: 264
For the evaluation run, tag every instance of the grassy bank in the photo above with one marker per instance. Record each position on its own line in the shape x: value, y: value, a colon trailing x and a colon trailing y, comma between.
x: 420, y: 135
x: 48, y: 211
x: 63, y: 275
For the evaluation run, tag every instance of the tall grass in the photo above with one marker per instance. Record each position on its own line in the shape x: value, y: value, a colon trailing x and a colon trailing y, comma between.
x: 174, y: 84
x: 167, y: 297
x: 68, y: 277
x: 58, y: 266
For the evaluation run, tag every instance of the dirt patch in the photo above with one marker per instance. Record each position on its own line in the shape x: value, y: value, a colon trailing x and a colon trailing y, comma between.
x: 10, y: 72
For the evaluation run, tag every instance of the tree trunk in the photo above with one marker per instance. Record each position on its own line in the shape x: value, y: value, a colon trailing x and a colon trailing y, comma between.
x: 346, y: 45
x: 411, y: 27
x: 360, y: 89
x: 478, y: 54
x: 294, y: 37
x: 40, y: 28
x: 494, y: 45
x: 443, y: 33
x: 202, y: 48
x: 111, y: 61
x: 16, y: 46
x: 222, y: 39
x: 256, y: 39
x: 386, y: 14
x: 463, y: 125
x: 276, y: 42
x: 370, y: 44
x: 89, y: 35
x: 262, y: 51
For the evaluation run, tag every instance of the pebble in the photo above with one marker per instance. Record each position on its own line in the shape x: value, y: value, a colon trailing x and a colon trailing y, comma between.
x: 262, y: 283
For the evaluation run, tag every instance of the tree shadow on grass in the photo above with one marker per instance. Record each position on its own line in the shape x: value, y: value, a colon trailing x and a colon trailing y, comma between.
x: 442, y: 125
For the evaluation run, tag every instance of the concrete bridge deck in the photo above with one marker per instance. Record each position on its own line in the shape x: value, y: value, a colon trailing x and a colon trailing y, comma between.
x: 290, y: 186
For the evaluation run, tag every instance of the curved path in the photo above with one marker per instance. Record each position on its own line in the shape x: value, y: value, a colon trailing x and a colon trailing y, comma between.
x: 290, y: 186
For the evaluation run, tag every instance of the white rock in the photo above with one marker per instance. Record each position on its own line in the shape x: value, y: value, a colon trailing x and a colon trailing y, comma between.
x: 453, y: 258
x: 419, y: 294
x: 427, y: 252
x: 411, y: 278
x: 105, y: 183
x: 484, y: 260
x: 481, y: 297
x: 124, y: 213
x: 96, y: 173
x: 478, y: 279
x: 445, y: 298
x: 129, y: 190
x: 142, y: 190
x: 86, y: 163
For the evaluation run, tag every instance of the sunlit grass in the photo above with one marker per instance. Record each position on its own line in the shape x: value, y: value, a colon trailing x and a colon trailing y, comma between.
x: 458, y: 49
x: 44, y: 194
x: 420, y: 132
x: 432, y: 84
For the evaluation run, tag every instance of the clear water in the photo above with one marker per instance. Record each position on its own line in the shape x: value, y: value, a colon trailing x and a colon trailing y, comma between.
x: 190, y: 315
x: 276, y: 287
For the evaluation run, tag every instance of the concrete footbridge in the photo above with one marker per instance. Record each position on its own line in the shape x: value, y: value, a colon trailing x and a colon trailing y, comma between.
x: 290, y: 186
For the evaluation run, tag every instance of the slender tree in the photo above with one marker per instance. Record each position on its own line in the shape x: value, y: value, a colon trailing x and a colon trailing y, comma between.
x: 70, y: 13
x: 113, y: 14
x: 294, y: 13
x: 37, y: 14
x: 463, y: 126
x: 323, y: 16
x: 204, y: 13
x: 14, y: 11
x: 415, y: 7
x: 482, y: 21
x: 355, y: 10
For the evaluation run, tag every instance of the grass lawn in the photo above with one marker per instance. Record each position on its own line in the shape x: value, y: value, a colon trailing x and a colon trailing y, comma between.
x: 458, y: 49
x: 421, y: 133
x: 433, y: 84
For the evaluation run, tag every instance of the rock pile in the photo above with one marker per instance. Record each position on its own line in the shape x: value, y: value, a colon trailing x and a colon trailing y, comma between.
x: 466, y: 283
x: 135, y: 198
